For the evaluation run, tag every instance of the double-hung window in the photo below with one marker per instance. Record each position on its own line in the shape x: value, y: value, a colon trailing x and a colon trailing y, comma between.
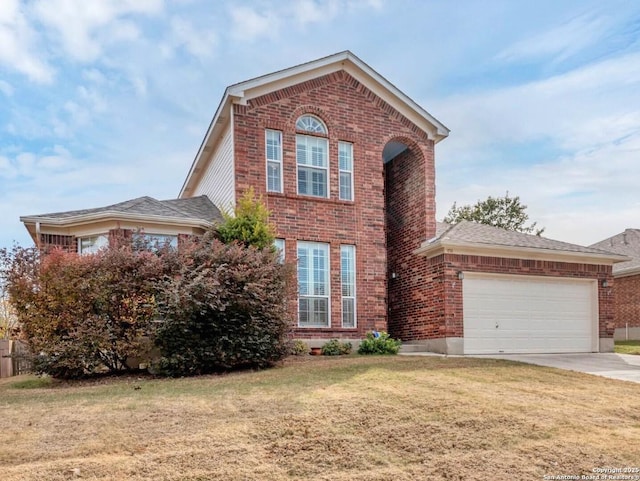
x: 312, y: 158
x: 91, y: 245
x: 278, y: 244
x: 345, y: 161
x: 348, y: 281
x: 313, y: 285
x: 274, y: 160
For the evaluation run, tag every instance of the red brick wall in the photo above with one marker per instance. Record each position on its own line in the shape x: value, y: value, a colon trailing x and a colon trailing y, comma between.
x: 415, y: 295
x: 452, y: 264
x: 627, y: 304
x: 353, y: 114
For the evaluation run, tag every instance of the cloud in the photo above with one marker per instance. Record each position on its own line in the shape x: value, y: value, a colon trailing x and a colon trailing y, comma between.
x: 579, y: 133
x: 6, y: 88
x: 18, y: 44
x: 84, y: 28
x: 200, y: 43
x: 560, y: 42
x: 249, y: 24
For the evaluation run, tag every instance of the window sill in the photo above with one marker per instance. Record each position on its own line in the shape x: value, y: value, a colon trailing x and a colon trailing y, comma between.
x: 311, y: 198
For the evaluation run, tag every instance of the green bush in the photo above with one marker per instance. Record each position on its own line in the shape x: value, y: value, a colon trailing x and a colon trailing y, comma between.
x: 299, y: 348
x: 249, y: 224
x: 383, y: 344
x: 226, y: 309
x: 336, y: 348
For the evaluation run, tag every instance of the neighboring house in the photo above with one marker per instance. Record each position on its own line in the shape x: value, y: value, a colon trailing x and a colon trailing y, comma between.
x: 162, y: 221
x: 345, y: 163
x: 626, y: 288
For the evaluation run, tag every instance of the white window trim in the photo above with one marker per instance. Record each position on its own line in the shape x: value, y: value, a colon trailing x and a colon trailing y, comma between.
x: 349, y: 171
x: 326, y: 168
x: 318, y: 119
x: 326, y: 246
x: 96, y: 236
x: 280, y: 244
x: 268, y: 160
x: 355, y: 292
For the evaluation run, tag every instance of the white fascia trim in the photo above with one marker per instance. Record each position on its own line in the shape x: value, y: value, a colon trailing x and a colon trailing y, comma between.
x: 106, y: 215
x: 512, y: 252
x: 631, y: 271
x: 356, y: 68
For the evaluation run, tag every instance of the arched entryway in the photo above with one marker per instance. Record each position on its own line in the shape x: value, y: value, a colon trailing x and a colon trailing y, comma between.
x: 409, y: 221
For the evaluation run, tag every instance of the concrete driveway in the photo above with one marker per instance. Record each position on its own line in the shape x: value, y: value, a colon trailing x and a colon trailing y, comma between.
x: 625, y: 367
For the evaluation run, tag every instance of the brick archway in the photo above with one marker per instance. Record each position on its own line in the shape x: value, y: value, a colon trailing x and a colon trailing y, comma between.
x: 409, y: 221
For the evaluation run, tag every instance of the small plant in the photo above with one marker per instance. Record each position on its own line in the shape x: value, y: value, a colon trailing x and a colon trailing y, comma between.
x: 379, y: 343
x: 336, y: 348
x: 299, y: 348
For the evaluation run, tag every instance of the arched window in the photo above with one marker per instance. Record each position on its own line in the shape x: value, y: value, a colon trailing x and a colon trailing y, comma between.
x: 312, y: 158
x: 309, y: 123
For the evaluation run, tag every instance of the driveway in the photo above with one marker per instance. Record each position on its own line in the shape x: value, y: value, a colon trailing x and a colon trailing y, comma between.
x: 625, y: 367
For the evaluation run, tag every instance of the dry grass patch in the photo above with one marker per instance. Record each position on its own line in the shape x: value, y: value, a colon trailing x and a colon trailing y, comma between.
x: 341, y: 419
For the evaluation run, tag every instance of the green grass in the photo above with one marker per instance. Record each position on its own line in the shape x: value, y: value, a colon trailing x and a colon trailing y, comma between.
x: 627, y: 347
x: 339, y: 418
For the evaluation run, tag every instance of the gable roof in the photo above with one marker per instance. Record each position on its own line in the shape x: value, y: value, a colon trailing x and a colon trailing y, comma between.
x: 242, y: 92
x: 472, y: 238
x: 626, y: 243
x: 195, y: 210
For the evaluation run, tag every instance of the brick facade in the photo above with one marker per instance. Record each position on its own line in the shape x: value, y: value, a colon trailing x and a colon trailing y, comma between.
x: 352, y: 113
x: 627, y: 302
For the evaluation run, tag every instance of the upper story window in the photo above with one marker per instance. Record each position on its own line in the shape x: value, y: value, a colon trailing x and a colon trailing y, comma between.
x: 312, y: 158
x: 91, y: 245
x: 309, y: 123
x: 274, y: 160
x: 345, y: 161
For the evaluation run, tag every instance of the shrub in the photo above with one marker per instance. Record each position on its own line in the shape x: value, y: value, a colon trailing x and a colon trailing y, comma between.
x: 226, y: 308
x: 336, y: 348
x: 249, y: 225
x: 299, y: 348
x: 381, y: 344
x: 82, y: 314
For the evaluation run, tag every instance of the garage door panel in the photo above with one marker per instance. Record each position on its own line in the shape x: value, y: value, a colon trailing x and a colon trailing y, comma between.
x: 525, y: 314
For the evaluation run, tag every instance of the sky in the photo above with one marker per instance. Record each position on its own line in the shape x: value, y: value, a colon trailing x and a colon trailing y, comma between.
x: 103, y: 101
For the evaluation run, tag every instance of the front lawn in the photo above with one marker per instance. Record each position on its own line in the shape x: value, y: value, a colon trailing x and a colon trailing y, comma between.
x: 627, y: 347
x: 352, y: 418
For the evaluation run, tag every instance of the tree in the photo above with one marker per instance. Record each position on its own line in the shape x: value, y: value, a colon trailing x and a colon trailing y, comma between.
x: 249, y: 224
x: 504, y: 212
x: 81, y: 314
x: 9, y: 327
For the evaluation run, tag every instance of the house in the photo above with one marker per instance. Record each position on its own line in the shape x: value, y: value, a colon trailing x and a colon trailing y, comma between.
x: 346, y: 164
x: 162, y: 221
x: 626, y: 289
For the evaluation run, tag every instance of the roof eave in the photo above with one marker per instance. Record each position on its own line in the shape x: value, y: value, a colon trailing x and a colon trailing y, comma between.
x: 533, y: 253
x: 632, y: 271
x: 117, y: 216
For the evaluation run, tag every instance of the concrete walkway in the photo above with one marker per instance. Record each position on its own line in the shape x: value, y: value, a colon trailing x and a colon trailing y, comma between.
x: 624, y: 367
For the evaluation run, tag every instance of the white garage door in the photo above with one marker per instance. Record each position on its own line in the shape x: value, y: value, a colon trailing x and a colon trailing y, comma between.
x: 528, y: 314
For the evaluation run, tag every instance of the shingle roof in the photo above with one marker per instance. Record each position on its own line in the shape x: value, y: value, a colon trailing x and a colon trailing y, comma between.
x: 481, y: 234
x: 626, y: 243
x: 193, y: 208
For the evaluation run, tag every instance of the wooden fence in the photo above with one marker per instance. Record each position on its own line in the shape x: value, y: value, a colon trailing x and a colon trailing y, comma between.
x: 12, y: 358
